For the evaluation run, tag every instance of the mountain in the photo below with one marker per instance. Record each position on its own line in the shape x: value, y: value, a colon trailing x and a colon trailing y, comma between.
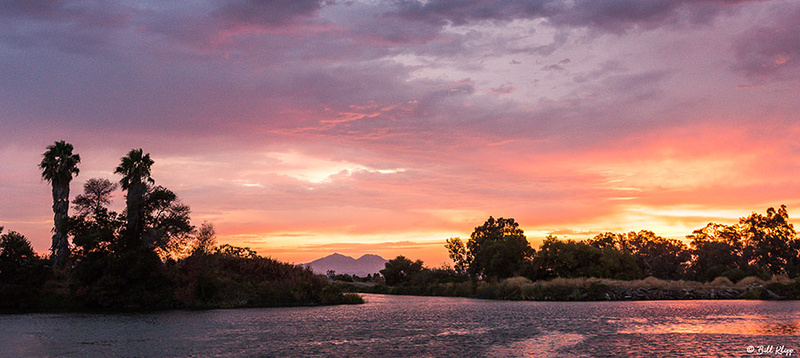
x: 364, y: 265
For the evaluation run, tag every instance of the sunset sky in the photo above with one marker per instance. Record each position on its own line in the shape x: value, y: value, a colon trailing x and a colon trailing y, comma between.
x: 301, y: 128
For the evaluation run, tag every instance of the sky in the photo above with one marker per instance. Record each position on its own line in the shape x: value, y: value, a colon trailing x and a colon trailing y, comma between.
x: 300, y: 128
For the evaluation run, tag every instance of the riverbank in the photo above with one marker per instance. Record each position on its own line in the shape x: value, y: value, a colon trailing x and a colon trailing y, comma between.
x: 594, y: 289
x: 134, y: 283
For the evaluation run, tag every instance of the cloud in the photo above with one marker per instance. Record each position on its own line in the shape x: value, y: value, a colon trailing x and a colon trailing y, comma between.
x: 70, y: 26
x: 607, y: 16
x: 505, y: 88
x: 771, y: 50
x: 265, y: 12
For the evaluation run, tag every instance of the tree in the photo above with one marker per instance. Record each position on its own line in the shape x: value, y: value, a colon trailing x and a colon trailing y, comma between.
x: 58, y: 166
x: 204, y: 240
x: 657, y: 256
x: 135, y: 171
x: 96, y: 196
x: 607, y: 239
x: 166, y: 222
x: 458, y: 253
x: 557, y: 258
x: 94, y: 228
x: 400, y: 270
x: 498, y: 248
x: 771, y: 242
x: 716, y: 251
x: 22, y: 272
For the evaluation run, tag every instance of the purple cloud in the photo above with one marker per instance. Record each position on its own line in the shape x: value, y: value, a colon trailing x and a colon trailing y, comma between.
x: 771, y: 49
x: 265, y: 12
x: 611, y: 16
x: 72, y: 27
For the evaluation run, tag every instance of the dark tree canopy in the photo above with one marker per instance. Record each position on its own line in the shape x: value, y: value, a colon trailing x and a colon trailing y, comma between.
x: 167, y: 224
x: 657, y: 256
x: 771, y: 241
x: 497, y: 249
x: 557, y: 258
x: 135, y: 169
x: 59, y: 164
x: 459, y: 254
x: 717, y: 251
x: 95, y: 229
x: 401, y: 270
x: 22, y: 272
x: 96, y: 196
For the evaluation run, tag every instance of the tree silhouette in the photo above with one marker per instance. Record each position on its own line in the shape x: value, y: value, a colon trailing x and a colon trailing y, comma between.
x: 401, y: 270
x: 771, y: 241
x: 135, y: 171
x: 498, y: 248
x: 58, y: 166
x: 458, y: 253
x: 96, y: 196
x: 22, y: 273
x: 657, y: 256
x: 167, y: 226
x: 717, y: 251
x: 94, y: 228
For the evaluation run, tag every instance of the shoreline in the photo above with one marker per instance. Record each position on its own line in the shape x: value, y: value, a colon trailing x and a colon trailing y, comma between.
x: 593, y: 289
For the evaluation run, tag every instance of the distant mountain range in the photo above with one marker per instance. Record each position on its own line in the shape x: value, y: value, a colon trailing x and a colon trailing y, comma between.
x: 364, y: 265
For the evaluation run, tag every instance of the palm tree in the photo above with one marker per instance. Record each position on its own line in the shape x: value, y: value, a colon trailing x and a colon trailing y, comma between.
x: 135, y: 171
x: 58, y: 166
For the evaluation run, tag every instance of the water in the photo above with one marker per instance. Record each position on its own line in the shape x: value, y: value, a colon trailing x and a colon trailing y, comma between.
x: 403, y: 326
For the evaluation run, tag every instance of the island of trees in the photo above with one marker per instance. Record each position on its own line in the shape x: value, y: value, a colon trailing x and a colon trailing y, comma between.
x: 149, y: 256
x: 758, y: 258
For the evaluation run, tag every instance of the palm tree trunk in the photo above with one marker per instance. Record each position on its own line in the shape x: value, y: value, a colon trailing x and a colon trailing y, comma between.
x: 60, y: 246
x: 135, y: 205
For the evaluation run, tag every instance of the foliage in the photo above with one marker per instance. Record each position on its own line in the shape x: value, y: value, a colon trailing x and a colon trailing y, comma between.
x: 657, y: 256
x: 167, y: 226
x: 569, y: 258
x: 496, y: 249
x: 716, y: 251
x: 459, y: 254
x: 772, y: 243
x: 205, y: 239
x: 401, y: 270
x: 96, y: 196
x: 22, y: 272
x: 226, y: 278
x: 759, y: 245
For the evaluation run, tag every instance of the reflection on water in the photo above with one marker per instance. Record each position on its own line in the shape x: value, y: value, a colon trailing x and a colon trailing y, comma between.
x: 400, y: 326
x: 542, y: 345
x: 730, y: 324
x: 734, y: 327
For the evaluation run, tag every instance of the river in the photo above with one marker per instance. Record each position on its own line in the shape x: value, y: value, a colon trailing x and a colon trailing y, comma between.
x: 406, y: 326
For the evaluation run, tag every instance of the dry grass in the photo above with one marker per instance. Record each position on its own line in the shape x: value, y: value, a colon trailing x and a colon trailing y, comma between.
x: 516, y: 281
x: 721, y: 282
x: 748, y: 281
x: 650, y: 283
x: 784, y: 280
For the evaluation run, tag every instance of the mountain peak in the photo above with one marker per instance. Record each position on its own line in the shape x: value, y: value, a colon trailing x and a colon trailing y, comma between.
x: 342, y: 264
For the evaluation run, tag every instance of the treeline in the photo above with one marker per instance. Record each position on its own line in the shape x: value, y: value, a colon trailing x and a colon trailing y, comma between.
x: 149, y: 256
x: 758, y: 247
